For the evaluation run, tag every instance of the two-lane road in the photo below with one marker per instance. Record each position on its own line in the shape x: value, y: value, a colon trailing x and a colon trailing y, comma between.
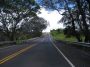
x: 40, y: 53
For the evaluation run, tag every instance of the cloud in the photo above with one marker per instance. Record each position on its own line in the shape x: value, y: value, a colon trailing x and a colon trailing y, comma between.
x: 52, y: 17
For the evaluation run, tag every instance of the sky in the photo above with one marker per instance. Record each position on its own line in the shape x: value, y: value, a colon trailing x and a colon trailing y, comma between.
x: 52, y: 17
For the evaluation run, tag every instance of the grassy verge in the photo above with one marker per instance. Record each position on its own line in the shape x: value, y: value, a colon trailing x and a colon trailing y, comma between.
x: 61, y: 36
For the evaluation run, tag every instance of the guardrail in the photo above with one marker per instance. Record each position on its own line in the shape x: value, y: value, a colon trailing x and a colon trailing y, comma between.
x: 83, y: 44
x: 7, y: 43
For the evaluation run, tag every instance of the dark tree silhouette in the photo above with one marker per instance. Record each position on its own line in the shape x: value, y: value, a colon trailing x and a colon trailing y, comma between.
x: 77, y: 13
x: 13, y: 13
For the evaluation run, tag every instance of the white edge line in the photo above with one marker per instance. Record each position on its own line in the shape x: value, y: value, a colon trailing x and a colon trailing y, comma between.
x: 70, y: 63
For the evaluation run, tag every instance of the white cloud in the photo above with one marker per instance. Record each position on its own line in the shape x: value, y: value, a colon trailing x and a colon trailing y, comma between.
x: 52, y: 17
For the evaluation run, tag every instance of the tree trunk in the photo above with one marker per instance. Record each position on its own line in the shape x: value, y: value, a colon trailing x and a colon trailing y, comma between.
x: 85, y: 26
x: 76, y: 35
x: 13, y: 34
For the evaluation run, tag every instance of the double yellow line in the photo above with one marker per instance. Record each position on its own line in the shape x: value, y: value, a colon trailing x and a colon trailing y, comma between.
x: 15, y: 54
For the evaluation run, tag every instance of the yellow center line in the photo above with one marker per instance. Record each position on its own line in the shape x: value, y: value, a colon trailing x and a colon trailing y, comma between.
x: 15, y: 54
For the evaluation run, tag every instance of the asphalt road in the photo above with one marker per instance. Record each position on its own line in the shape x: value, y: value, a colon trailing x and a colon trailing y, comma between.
x: 39, y: 52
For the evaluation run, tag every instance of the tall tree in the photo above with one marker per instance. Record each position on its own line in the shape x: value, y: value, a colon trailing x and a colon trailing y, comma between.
x: 85, y: 25
x: 34, y: 26
x: 13, y: 12
x: 88, y: 4
x: 67, y: 6
x: 80, y: 7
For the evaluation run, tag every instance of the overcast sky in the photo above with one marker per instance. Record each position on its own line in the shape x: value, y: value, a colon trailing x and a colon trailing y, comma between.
x: 52, y: 17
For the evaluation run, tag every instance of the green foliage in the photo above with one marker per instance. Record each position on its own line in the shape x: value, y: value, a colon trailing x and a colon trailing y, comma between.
x: 22, y: 37
x: 76, y: 15
x: 62, y: 37
x: 18, y: 41
x: 15, y: 11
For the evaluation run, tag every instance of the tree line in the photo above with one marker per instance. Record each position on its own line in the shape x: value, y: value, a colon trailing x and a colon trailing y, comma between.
x: 18, y: 19
x: 76, y: 16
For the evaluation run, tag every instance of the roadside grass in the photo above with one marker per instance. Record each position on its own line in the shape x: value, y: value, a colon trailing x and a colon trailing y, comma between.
x: 60, y: 36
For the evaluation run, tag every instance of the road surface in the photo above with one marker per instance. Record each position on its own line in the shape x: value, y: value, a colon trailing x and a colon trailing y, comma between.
x: 39, y: 52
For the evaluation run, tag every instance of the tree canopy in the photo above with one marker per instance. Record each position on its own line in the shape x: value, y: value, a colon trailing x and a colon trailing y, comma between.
x: 76, y: 15
x: 15, y: 13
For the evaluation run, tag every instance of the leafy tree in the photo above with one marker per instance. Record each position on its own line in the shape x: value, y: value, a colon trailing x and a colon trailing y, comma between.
x: 34, y: 26
x: 76, y: 15
x: 88, y: 1
x: 13, y: 12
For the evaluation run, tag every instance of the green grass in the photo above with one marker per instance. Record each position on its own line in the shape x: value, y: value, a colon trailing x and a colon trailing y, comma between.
x: 18, y: 41
x: 61, y: 36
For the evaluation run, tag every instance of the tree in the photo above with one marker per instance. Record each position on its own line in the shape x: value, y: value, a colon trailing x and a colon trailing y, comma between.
x: 85, y: 25
x: 77, y: 13
x: 34, y: 26
x: 13, y: 12
x: 88, y: 4
x: 71, y: 29
x: 64, y: 5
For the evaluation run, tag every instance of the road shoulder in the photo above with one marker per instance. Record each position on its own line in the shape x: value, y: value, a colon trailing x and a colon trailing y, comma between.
x: 77, y: 56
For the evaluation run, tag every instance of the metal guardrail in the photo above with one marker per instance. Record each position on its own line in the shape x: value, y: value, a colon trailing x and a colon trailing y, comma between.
x: 7, y: 43
x: 82, y: 44
x: 14, y: 42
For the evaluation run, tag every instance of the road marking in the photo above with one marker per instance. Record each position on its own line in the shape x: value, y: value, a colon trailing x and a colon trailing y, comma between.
x: 70, y: 63
x: 15, y: 54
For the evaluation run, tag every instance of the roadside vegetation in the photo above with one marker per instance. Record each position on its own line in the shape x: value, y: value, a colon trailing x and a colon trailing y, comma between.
x: 59, y: 34
x: 76, y: 16
x: 19, y: 20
